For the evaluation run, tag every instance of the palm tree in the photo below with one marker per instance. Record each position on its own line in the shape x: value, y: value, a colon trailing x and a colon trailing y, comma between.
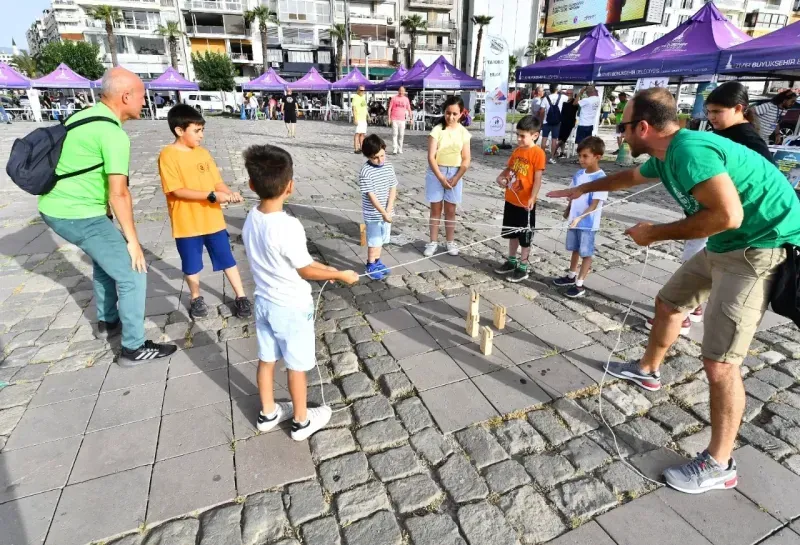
x: 481, y: 21
x: 413, y: 25
x: 512, y: 68
x: 24, y: 64
x: 538, y: 50
x: 264, y: 16
x: 339, y: 31
x: 172, y: 32
x: 109, y: 15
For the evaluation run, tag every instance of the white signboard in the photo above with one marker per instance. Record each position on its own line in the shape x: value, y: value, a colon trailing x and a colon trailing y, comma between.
x: 495, y: 81
x: 647, y: 83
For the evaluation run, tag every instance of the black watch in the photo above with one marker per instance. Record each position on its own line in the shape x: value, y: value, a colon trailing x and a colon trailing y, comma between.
x: 212, y: 197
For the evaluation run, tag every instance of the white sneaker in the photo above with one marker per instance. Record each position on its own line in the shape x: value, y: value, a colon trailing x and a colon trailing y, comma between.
x: 401, y: 151
x: 284, y: 413
x: 552, y: 161
x: 430, y: 249
x: 452, y: 248
x: 318, y: 417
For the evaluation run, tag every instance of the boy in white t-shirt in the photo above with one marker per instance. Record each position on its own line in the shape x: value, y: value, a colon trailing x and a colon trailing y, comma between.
x: 284, y: 309
x: 584, y: 217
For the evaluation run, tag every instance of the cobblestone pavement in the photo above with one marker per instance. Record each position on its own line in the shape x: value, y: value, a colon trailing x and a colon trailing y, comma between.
x: 432, y: 443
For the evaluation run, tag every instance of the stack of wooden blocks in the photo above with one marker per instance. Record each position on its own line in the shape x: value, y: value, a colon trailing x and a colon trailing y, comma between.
x: 473, y: 325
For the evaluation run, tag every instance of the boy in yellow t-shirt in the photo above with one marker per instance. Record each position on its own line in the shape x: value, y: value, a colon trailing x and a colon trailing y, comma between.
x: 195, y: 190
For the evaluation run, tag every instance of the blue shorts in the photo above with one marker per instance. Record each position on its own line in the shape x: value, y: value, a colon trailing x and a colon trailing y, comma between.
x: 581, y: 241
x: 434, y: 190
x: 583, y: 132
x: 378, y: 233
x: 219, y: 250
x: 549, y: 128
x: 286, y: 333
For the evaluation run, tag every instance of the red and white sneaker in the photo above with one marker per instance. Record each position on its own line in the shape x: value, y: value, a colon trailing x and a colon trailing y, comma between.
x: 696, y: 316
x: 686, y: 325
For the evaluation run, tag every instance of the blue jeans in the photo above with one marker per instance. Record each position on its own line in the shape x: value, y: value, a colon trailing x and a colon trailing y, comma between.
x: 115, y: 281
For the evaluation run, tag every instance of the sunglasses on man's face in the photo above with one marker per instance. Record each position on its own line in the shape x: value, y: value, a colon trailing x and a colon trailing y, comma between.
x: 621, y: 126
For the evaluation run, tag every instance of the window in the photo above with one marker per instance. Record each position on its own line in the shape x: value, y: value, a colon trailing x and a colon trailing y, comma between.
x: 682, y: 19
x: 668, y: 4
x: 796, y: 5
x: 301, y: 56
x: 323, y: 12
x: 272, y: 35
x: 687, y: 4
x: 667, y: 19
x: 148, y: 46
x: 324, y: 36
x: 324, y: 57
x: 766, y: 20
x: 274, y: 55
x: 339, y: 6
x: 638, y: 38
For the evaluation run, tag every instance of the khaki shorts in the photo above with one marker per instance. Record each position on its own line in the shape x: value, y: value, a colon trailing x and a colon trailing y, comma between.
x: 737, y: 286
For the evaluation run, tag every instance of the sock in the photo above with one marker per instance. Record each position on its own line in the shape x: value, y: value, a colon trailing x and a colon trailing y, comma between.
x: 579, y: 283
x: 572, y: 274
x: 302, y: 424
x: 512, y: 260
x: 272, y: 415
x: 522, y: 266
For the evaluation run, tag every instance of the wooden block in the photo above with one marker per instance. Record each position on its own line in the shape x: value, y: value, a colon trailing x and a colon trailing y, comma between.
x: 363, y: 229
x: 499, y: 317
x: 474, y: 304
x: 473, y: 325
x: 486, y: 341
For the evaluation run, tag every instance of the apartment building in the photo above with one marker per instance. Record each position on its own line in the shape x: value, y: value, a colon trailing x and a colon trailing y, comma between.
x: 35, y: 34
x: 375, y: 23
x: 442, y: 35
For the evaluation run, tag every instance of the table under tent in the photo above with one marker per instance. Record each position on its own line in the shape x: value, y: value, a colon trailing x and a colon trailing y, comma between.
x: 388, y: 84
x: 269, y: 82
x: 11, y: 79
x: 62, y: 78
x: 170, y: 81
x: 313, y: 82
x: 350, y: 83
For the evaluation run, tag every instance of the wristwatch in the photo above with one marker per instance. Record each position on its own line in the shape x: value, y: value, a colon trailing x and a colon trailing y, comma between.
x: 212, y: 197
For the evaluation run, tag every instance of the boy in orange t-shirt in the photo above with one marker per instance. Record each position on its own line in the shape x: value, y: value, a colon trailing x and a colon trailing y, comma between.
x: 522, y: 180
x: 194, y: 189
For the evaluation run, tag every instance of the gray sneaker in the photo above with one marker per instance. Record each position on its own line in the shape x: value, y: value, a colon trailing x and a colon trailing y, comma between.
x: 632, y: 372
x: 702, y: 474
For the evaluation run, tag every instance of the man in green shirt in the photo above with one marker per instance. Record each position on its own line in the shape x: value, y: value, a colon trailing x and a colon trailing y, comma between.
x: 359, y: 118
x: 745, y: 206
x: 76, y: 210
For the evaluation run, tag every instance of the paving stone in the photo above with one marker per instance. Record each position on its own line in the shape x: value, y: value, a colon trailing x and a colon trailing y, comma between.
x: 395, y: 463
x: 322, y: 532
x: 584, y: 454
x: 778, y: 380
x: 672, y: 417
x: 518, y: 437
x: 518, y: 507
x: 481, y: 447
x: 361, y: 502
x: 432, y: 446
x: 413, y: 493
x: 381, y: 528
x: 505, y: 476
x: 461, y: 481
x: 510, y: 390
x: 413, y: 414
x: 484, y: 524
x: 337, y: 342
x: 549, y: 426
x: 784, y: 430
x: 9, y: 419
x: 610, y: 413
x: 582, y: 499
x: 789, y: 398
x: 327, y: 444
x: 381, y: 435
x: 381, y: 365
x: 691, y: 393
x: 629, y: 402
x: 357, y: 386
x: 333, y: 396
x: 395, y: 385
x: 344, y: 472
x: 578, y: 420
x: 263, y: 519
x: 434, y: 529
x: 458, y: 405
x: 548, y: 470
x: 793, y: 463
x: 17, y: 394
x: 768, y: 484
x: 176, y: 532
x: 305, y: 502
x: 764, y: 441
x: 759, y: 390
x: 772, y: 357
x: 643, y: 434
x: 786, y: 411
x: 789, y: 367
x: 221, y: 526
x: 345, y: 363
x: 51, y: 422
x: 696, y: 442
x: 371, y: 349
x: 372, y: 409
x: 622, y: 480
x: 358, y: 334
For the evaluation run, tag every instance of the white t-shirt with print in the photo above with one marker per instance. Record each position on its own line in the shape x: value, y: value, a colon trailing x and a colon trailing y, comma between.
x: 578, y: 206
x: 276, y: 248
x: 588, y: 111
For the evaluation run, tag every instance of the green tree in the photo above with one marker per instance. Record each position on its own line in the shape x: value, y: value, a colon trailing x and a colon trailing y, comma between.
x: 339, y: 32
x: 264, y: 15
x: 214, y: 71
x: 538, y: 51
x: 110, y: 16
x: 25, y: 64
x: 481, y: 21
x: 512, y: 68
x: 413, y: 26
x: 82, y: 57
x: 172, y: 32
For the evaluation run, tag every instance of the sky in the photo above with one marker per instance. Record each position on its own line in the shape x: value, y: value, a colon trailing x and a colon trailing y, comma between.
x: 15, y: 22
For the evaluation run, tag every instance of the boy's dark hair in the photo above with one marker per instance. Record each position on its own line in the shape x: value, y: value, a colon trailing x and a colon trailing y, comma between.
x: 183, y: 115
x: 622, y: 95
x: 553, y: 88
x: 372, y: 145
x: 529, y: 124
x: 594, y: 144
x: 270, y: 169
x: 656, y: 106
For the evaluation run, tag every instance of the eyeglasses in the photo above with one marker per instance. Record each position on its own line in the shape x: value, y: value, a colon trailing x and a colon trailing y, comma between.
x: 621, y: 126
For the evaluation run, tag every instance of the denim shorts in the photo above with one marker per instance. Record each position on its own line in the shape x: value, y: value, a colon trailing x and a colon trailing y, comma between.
x: 286, y: 333
x: 378, y: 233
x: 550, y: 129
x: 219, y: 250
x: 581, y: 241
x: 434, y: 190
x: 583, y: 132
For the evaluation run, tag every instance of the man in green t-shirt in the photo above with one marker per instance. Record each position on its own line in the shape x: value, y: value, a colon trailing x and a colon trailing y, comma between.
x: 359, y: 118
x: 76, y: 210
x: 745, y: 206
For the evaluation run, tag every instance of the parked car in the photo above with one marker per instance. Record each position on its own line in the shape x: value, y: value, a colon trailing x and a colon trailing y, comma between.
x: 789, y: 119
x: 207, y: 102
x: 524, y: 106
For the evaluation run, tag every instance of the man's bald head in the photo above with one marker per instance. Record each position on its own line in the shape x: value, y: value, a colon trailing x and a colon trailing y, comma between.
x: 123, y: 92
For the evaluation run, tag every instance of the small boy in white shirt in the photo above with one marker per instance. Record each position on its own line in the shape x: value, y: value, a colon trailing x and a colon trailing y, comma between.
x: 284, y: 309
x: 584, y: 217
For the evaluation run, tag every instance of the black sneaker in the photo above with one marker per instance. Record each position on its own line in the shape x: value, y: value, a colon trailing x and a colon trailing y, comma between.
x: 518, y: 275
x: 198, y: 309
x: 243, y: 307
x: 575, y: 292
x: 106, y: 330
x: 356, y: 151
x: 148, y: 351
x: 506, y: 268
x: 564, y: 281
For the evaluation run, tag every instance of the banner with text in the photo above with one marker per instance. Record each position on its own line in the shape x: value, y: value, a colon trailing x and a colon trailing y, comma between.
x: 495, y: 82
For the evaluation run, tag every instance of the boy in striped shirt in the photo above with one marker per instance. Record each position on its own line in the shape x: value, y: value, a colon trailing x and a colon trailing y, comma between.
x: 378, y: 185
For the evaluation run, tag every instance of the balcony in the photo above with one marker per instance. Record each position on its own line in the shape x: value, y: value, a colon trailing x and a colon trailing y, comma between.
x: 241, y: 57
x: 432, y: 4
x: 210, y: 5
x: 205, y: 29
x: 731, y: 5
x: 434, y: 47
x: 441, y: 26
x: 299, y: 41
x: 371, y: 19
x: 125, y: 25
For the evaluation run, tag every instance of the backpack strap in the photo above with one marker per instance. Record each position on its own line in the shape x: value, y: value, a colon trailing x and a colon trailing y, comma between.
x: 75, y: 125
x: 78, y: 172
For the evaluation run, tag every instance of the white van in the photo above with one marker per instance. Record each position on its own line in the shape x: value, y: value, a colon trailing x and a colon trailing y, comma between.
x: 207, y: 101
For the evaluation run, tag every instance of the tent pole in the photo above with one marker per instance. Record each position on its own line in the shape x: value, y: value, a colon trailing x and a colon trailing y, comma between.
x: 91, y: 92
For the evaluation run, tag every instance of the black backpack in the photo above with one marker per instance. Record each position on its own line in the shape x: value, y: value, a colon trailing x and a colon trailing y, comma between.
x: 33, y: 160
x: 553, y: 112
x: 785, y: 296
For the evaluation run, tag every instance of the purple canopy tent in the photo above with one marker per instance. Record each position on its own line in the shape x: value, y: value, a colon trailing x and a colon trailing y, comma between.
x: 577, y: 62
x: 11, y: 79
x: 398, y: 76
x: 774, y: 54
x: 442, y: 75
x: 692, y: 49
x: 62, y: 78
x: 171, y: 80
x: 268, y: 81
x: 352, y: 81
x: 395, y: 84
x: 311, y: 82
